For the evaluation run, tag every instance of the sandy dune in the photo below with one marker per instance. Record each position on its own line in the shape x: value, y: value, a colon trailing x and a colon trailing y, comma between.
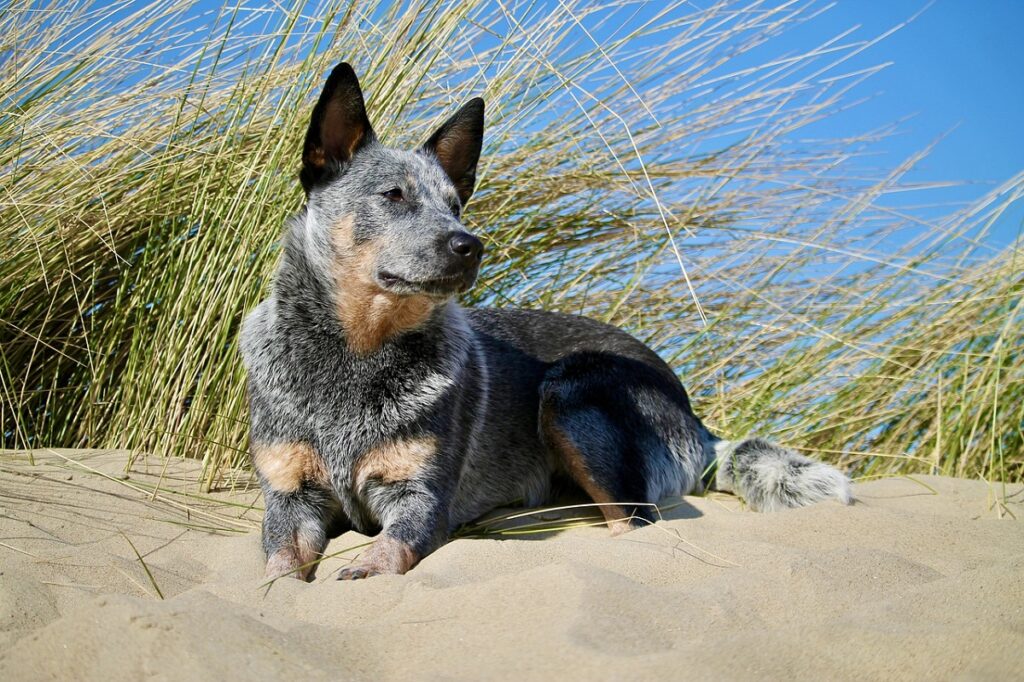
x: 919, y: 580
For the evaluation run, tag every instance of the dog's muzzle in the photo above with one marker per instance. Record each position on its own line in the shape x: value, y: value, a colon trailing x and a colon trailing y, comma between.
x: 457, y: 264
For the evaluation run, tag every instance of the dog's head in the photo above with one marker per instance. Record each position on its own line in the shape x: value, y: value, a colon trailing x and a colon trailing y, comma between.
x: 388, y: 220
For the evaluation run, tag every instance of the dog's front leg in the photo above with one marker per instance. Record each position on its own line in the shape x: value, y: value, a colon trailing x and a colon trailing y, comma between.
x: 302, y: 512
x: 296, y: 528
x: 415, y: 523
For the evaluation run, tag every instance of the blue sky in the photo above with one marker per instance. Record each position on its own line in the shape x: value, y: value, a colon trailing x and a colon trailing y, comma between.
x: 957, y: 70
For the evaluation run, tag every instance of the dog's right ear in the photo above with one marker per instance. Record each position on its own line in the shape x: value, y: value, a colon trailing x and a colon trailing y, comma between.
x: 338, y: 128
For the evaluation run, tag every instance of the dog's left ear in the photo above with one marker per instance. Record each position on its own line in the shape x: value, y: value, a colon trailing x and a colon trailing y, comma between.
x: 456, y: 144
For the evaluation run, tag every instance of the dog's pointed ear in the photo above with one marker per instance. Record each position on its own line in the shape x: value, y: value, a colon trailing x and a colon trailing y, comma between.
x: 456, y: 144
x: 338, y: 127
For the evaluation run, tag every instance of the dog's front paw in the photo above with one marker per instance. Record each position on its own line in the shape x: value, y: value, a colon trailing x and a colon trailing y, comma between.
x: 386, y: 555
x: 358, y: 571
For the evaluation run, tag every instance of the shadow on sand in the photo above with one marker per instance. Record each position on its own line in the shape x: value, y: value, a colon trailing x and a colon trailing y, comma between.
x: 566, y: 512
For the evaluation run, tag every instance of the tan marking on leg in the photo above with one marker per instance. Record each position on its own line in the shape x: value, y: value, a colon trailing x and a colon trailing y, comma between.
x: 386, y: 555
x: 287, y: 563
x: 308, y: 551
x: 286, y: 465
x: 392, y: 556
x: 369, y: 314
x: 295, y: 560
x: 282, y: 563
x: 396, y: 460
x: 614, y: 515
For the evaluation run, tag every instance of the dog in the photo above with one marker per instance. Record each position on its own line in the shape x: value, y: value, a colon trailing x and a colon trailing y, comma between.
x: 378, y: 404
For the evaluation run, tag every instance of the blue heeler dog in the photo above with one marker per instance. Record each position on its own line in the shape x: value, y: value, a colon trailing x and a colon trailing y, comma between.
x: 378, y: 404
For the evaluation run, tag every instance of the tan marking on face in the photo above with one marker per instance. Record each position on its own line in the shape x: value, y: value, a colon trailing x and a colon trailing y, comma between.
x: 285, y: 466
x: 369, y: 314
x: 396, y: 460
x: 615, y: 515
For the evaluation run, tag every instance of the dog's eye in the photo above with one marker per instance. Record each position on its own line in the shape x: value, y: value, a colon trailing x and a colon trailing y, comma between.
x: 456, y: 210
x: 393, y: 194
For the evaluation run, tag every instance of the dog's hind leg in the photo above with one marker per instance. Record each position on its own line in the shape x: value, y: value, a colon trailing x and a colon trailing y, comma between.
x: 622, y: 431
x: 584, y: 447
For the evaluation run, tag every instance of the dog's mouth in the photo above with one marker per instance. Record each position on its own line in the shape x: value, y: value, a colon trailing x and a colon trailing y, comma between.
x: 436, y: 286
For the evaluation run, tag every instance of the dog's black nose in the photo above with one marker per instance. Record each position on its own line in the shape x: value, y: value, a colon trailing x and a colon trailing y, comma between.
x: 465, y: 245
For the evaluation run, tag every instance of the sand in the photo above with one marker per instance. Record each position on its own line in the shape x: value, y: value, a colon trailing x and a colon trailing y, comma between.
x: 921, y: 579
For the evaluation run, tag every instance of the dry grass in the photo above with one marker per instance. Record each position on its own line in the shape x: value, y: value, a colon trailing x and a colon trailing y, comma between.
x: 648, y: 170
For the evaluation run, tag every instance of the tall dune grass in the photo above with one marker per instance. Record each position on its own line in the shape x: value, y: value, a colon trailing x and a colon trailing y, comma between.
x: 644, y: 166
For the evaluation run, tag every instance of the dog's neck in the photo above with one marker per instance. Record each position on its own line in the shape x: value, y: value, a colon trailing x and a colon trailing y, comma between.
x: 370, y: 317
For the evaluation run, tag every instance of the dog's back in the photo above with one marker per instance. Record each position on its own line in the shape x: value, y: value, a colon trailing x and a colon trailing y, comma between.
x: 377, y: 403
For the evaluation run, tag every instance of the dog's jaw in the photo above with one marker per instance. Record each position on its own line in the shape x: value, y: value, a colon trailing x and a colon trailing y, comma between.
x: 439, y: 288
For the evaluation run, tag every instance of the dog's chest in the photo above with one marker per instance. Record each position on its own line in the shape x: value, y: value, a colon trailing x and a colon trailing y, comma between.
x: 356, y: 406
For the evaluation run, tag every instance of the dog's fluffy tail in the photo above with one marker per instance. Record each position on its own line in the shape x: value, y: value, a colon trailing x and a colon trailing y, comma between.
x: 770, y: 477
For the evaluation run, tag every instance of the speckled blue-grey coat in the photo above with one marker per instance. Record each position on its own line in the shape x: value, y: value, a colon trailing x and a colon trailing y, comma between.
x: 378, y: 404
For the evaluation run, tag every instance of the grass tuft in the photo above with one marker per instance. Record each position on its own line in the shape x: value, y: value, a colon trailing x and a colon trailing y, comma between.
x: 645, y: 164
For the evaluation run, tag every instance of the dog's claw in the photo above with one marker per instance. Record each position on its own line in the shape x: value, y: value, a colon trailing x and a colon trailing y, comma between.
x: 357, y: 573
